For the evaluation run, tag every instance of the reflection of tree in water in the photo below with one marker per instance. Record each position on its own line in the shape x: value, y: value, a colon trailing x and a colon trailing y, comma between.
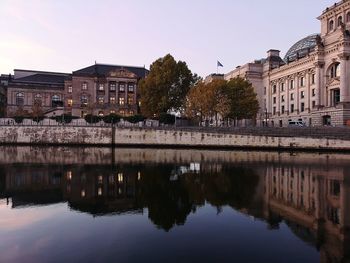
x: 167, y: 201
x: 170, y: 202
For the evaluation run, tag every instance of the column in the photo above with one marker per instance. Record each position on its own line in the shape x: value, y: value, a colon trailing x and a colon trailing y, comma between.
x: 319, y: 88
x: 344, y: 78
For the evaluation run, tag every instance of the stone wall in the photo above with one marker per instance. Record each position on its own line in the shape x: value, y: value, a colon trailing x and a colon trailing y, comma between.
x: 103, y: 136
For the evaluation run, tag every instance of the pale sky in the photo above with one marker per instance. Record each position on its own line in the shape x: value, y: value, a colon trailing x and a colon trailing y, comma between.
x: 66, y: 35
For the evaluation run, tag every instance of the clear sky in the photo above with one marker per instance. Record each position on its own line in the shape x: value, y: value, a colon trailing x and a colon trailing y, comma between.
x: 65, y: 35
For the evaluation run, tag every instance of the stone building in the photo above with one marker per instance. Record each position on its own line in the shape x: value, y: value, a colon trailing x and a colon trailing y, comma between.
x: 98, y: 89
x: 28, y: 88
x: 4, y: 79
x: 311, y: 84
x: 103, y: 89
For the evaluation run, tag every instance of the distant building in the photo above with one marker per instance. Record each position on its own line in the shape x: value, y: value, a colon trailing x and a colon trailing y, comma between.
x: 3, y: 91
x: 98, y: 89
x: 103, y: 89
x: 311, y: 84
x: 212, y: 77
x: 28, y: 88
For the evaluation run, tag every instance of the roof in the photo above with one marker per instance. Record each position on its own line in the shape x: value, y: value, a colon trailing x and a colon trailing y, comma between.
x: 44, y: 78
x: 301, y: 48
x: 103, y: 69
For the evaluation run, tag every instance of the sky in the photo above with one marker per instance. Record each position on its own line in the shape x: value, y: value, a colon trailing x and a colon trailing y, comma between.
x: 66, y: 35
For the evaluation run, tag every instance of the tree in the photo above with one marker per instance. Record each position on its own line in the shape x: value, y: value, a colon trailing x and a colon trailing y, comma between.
x: 37, y: 112
x: 165, y: 87
x: 242, y: 99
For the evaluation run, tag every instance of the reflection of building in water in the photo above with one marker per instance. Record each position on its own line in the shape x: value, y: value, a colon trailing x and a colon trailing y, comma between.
x: 102, y: 191
x: 314, y: 198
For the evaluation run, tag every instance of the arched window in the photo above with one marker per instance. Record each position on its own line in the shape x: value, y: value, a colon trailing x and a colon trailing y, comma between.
x: 340, y: 20
x: 334, y: 71
x: 38, y: 99
x: 56, y: 101
x: 348, y: 17
x: 20, y: 99
x: 331, y: 25
x: 84, y: 100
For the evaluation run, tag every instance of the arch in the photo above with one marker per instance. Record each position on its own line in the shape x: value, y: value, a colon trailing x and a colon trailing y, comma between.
x: 340, y: 21
x: 20, y: 99
x: 330, y: 25
x: 56, y: 101
x: 334, y: 70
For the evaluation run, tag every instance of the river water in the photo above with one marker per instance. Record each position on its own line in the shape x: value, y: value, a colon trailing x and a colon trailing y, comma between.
x: 147, y: 205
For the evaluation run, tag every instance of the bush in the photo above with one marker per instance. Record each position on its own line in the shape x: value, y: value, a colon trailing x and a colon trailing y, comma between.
x: 65, y: 118
x: 166, y: 118
x: 135, y: 118
x: 89, y: 118
x: 111, y: 118
x: 18, y: 119
x: 38, y: 118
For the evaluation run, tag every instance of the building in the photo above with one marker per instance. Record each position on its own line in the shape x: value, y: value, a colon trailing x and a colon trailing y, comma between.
x: 98, y: 89
x: 103, y: 89
x: 4, y: 79
x: 311, y: 84
x: 29, y: 88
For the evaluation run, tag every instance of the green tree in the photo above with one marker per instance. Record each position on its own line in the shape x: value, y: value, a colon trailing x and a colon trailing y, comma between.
x: 166, y: 86
x: 242, y: 99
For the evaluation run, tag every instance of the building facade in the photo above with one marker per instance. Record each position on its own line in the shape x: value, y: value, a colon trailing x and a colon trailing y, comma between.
x: 312, y: 83
x: 103, y: 89
x: 98, y: 89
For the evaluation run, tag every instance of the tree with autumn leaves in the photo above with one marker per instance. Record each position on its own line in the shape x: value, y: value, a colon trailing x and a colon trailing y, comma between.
x: 235, y: 100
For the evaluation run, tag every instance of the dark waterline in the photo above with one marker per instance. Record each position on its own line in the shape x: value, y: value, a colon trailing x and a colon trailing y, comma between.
x: 130, y: 205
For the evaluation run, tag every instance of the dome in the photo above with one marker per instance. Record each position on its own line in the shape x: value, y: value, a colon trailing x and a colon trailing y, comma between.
x: 301, y: 48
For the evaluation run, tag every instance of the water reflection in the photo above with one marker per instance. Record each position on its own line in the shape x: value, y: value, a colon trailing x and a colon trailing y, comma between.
x: 310, y: 193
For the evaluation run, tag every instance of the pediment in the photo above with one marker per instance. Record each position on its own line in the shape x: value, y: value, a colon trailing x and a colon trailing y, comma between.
x: 333, y: 82
x: 122, y: 73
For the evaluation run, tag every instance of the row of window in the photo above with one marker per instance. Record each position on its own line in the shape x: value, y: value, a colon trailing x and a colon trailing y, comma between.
x: 55, y: 99
x: 120, y: 112
x: 291, y: 84
x: 292, y: 108
x: 101, y: 100
x: 339, y: 21
x: 112, y: 87
x: 302, y: 96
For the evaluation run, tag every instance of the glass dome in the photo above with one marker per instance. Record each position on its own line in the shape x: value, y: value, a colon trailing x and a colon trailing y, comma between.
x: 301, y: 48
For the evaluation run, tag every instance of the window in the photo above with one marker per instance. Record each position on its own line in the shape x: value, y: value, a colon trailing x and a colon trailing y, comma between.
x: 291, y: 108
x: 274, y: 100
x: 112, y: 100
x: 20, y: 99
x: 302, y: 94
x: 292, y: 96
x: 336, y: 96
x: 38, y: 99
x: 121, y: 101
x: 282, y: 110
x: 121, y: 87
x: 302, y: 107
x: 313, y: 79
x: 313, y: 92
x: 84, y: 86
x: 56, y: 101
x: 348, y: 17
x: 84, y: 100
x: 264, y: 90
x: 335, y: 70
x: 122, y: 112
x: 101, y: 114
x: 302, y: 82
x: 282, y: 98
x: 340, y: 21
x: 101, y: 87
x: 274, y: 89
x: 112, y: 86
x: 70, y: 102
x: 282, y: 87
x: 131, y: 112
x: 274, y: 110
x: 335, y: 188
x: 331, y: 25
x: 101, y: 100
x: 292, y: 84
x: 130, y: 100
x: 313, y: 104
x: 131, y: 87
x: 70, y: 89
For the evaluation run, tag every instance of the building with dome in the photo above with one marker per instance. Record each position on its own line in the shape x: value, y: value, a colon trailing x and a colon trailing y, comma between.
x: 311, y: 84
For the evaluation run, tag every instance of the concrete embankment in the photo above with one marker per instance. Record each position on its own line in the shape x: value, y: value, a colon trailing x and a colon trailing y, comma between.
x: 107, y: 136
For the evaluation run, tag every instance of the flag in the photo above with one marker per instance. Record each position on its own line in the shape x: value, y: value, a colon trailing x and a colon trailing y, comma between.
x: 219, y: 64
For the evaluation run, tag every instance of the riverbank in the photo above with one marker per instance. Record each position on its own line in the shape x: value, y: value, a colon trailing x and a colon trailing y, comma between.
x: 295, y: 139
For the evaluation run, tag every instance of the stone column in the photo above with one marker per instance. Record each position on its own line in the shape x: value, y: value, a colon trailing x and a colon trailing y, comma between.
x: 319, y: 88
x: 308, y: 94
x: 287, y: 97
x: 344, y: 78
